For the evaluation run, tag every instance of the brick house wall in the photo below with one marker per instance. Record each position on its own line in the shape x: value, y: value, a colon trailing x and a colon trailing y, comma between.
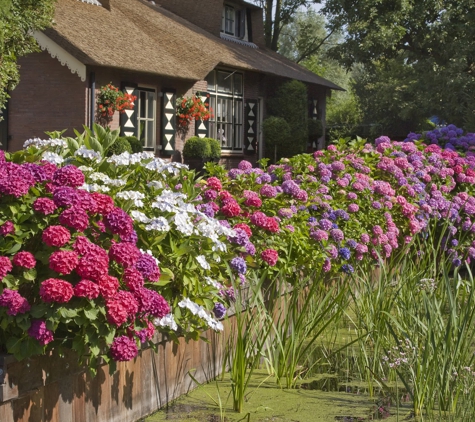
x: 203, y: 13
x: 49, y: 97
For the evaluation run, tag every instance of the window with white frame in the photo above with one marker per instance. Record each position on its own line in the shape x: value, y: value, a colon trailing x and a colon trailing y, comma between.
x: 146, y: 112
x: 226, y: 100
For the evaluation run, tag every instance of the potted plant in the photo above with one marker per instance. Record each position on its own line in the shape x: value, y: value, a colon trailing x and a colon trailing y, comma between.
x: 197, y: 151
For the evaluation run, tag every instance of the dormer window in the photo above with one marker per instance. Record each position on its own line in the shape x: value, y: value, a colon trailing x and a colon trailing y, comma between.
x: 229, y: 18
x: 233, y: 21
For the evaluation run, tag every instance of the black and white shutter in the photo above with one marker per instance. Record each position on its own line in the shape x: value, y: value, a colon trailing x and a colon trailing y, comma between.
x: 314, y: 115
x: 202, y: 126
x: 128, y: 119
x: 250, y: 126
x: 168, y: 120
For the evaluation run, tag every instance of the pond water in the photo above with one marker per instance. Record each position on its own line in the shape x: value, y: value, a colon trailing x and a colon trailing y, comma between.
x: 325, y: 397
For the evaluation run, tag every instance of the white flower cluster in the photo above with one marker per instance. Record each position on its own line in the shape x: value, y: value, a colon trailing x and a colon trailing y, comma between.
x: 126, y: 158
x: 94, y: 187
x: 131, y: 195
x: 52, y: 157
x: 85, y: 169
x: 40, y: 143
x: 88, y: 153
x: 211, y: 282
x: 158, y: 223
x: 202, y: 261
x: 162, y: 166
x: 186, y: 216
x: 198, y: 310
x: 167, y: 321
x: 104, y: 178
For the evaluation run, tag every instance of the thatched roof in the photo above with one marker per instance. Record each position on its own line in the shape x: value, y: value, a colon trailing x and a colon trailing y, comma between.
x: 138, y: 36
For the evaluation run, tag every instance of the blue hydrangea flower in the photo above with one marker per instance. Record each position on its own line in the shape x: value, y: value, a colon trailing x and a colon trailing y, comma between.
x: 344, y: 253
x: 238, y: 264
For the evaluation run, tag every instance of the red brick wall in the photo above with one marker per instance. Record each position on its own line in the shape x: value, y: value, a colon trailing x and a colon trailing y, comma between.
x: 204, y: 13
x: 257, y: 23
x: 49, y: 97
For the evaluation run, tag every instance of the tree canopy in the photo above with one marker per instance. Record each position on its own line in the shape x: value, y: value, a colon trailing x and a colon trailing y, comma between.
x: 18, y: 18
x: 417, y: 55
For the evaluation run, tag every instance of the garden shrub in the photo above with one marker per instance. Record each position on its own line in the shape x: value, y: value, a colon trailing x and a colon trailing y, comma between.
x: 290, y: 103
x: 276, y: 134
x: 315, y: 130
x: 135, y: 144
x: 215, y: 147
x: 120, y: 145
x: 196, y: 147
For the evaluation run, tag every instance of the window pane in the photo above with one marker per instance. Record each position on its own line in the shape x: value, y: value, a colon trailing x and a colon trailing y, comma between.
x: 210, y: 80
x: 151, y: 96
x: 229, y: 110
x: 150, y: 134
x: 238, y: 137
x: 212, y: 106
x: 212, y: 130
x: 238, y: 84
x: 238, y: 112
x: 229, y: 20
x: 224, y: 82
x: 143, y: 103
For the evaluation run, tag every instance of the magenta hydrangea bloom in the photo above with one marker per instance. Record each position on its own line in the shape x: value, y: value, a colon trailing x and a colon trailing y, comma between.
x: 118, y: 222
x: 69, y: 176
x: 244, y: 165
x: 151, y: 303
x: 7, y: 228
x: 270, y: 256
x: 56, y: 236
x: 24, y: 259
x: 123, y: 349
x: 56, y: 290
x: 15, y: 302
x: 125, y: 254
x: 87, y: 289
x: 93, y: 265
x: 75, y: 218
x: 148, y: 267
x: 44, y: 206
x: 5, y: 266
x: 108, y: 286
x: 63, y: 262
x: 15, y: 180
x: 39, y: 332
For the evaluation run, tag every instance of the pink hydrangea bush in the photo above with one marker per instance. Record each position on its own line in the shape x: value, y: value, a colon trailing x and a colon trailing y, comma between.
x: 71, y: 273
x: 349, y: 204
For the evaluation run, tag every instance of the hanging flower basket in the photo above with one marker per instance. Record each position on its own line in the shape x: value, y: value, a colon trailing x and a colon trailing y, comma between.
x: 189, y: 109
x: 110, y: 100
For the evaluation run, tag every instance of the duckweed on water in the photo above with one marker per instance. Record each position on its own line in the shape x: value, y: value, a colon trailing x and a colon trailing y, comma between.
x: 265, y: 401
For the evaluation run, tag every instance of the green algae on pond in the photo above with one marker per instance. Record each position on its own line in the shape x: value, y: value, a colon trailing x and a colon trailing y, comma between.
x: 265, y: 401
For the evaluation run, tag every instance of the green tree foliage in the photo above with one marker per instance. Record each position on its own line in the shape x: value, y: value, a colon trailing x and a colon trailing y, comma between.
x: 417, y: 55
x: 18, y: 18
x: 306, y: 41
x: 290, y: 103
x: 277, y: 14
x: 276, y: 134
x: 305, y: 37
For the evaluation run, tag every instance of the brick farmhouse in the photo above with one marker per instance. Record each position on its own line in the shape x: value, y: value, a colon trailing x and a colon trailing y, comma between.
x: 157, y: 50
